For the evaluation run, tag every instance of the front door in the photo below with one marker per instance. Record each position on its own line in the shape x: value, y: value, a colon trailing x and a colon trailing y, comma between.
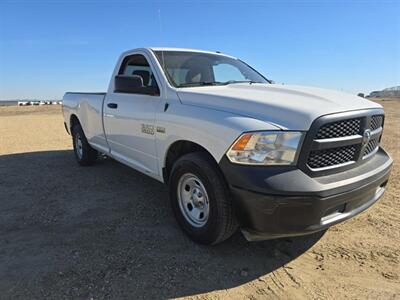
x: 129, y: 119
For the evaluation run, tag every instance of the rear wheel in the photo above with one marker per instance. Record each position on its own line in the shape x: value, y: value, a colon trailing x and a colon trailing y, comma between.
x: 201, y: 200
x: 84, y: 153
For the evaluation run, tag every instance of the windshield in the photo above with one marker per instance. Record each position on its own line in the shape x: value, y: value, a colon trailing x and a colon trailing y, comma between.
x: 184, y: 69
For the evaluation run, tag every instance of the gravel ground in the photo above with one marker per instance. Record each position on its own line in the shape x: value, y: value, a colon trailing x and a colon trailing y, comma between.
x: 107, y: 231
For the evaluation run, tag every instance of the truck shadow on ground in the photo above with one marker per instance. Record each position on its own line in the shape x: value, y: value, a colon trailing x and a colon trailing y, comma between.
x: 107, y: 231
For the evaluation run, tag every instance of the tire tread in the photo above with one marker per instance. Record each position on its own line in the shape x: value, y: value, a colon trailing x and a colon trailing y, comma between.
x: 227, y: 220
x: 89, y: 156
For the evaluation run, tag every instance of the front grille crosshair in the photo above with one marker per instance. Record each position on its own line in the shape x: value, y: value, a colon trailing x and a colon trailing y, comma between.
x: 336, y: 141
x: 339, y: 129
x: 331, y: 157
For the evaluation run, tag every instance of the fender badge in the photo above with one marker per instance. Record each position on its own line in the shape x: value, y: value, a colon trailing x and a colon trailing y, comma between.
x: 148, y: 129
x: 160, y: 129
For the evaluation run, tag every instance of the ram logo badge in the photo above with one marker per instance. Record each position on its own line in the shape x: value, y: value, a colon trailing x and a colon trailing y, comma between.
x: 366, y: 137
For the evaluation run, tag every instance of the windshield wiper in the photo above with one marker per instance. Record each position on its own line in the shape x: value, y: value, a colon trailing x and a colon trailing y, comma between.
x: 201, y: 83
x: 240, y: 81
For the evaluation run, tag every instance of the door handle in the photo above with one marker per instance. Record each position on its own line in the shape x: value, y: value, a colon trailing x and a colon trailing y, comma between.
x: 112, y: 105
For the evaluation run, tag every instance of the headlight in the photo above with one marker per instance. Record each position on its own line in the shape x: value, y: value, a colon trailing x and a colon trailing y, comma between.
x: 266, y: 148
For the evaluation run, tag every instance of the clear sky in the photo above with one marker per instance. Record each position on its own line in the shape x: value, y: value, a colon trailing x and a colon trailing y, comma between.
x: 49, y: 47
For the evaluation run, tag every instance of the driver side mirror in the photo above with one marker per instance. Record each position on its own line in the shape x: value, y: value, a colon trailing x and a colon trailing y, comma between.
x: 128, y: 84
x: 133, y: 84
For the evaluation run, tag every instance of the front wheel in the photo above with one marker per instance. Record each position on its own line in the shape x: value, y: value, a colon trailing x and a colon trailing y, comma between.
x: 200, y: 199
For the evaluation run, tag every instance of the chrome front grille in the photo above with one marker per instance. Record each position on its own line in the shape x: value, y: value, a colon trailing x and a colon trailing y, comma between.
x: 335, y: 141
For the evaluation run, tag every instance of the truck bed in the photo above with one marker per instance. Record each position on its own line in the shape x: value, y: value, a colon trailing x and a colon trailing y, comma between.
x: 88, y: 108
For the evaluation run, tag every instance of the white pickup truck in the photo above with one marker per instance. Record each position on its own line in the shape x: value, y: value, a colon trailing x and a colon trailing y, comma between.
x: 235, y: 149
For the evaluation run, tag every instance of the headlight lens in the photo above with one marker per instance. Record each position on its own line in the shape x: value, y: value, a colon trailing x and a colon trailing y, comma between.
x: 266, y: 148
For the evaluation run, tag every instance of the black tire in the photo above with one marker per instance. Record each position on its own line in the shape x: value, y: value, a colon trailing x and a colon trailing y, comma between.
x: 87, y: 156
x: 221, y: 222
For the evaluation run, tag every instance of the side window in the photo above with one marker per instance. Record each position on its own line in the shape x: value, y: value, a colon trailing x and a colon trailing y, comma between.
x: 137, y: 65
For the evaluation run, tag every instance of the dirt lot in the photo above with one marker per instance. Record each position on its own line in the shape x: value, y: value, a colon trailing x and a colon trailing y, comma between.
x: 108, y: 232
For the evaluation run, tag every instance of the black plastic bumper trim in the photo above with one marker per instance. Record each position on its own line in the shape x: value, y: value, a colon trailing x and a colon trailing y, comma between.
x: 274, y: 202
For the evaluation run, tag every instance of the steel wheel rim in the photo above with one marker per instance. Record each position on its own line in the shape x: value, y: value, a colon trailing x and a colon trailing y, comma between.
x: 193, y: 200
x: 78, y: 145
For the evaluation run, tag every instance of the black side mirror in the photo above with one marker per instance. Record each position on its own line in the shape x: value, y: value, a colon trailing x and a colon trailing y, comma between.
x: 133, y: 84
x: 127, y: 84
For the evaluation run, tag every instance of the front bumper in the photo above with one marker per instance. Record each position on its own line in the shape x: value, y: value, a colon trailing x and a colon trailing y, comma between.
x: 273, y: 202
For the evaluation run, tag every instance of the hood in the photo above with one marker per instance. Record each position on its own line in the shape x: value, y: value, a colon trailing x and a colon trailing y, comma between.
x: 288, y: 107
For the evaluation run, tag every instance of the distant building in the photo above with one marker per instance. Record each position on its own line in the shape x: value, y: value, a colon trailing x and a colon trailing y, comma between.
x: 374, y: 94
x: 389, y: 92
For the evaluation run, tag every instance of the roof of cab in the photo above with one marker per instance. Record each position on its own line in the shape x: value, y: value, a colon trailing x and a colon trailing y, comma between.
x: 179, y: 49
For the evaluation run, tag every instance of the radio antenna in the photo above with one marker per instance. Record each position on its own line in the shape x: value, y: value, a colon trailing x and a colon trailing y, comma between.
x: 162, y: 53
